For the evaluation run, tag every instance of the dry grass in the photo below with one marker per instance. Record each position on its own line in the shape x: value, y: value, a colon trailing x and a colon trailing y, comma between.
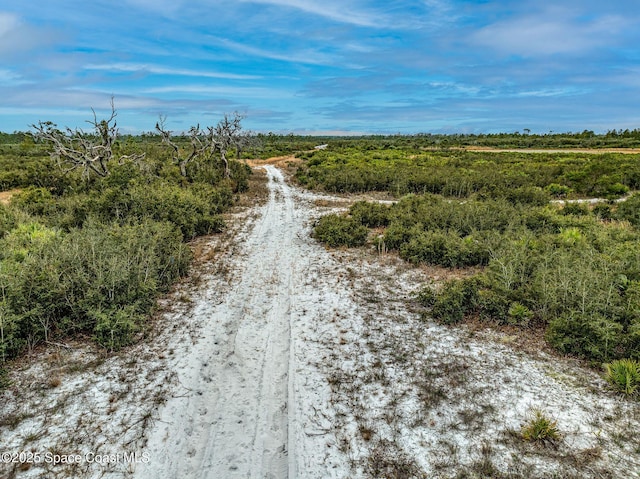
x: 257, y: 193
x: 5, y: 196
x: 282, y: 162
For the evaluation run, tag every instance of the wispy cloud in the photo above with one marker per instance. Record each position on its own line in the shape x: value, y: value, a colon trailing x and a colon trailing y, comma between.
x: 222, y: 91
x: 308, y: 56
x: 18, y: 37
x: 339, y: 11
x: 552, y: 31
x: 160, y: 70
x: 335, y: 65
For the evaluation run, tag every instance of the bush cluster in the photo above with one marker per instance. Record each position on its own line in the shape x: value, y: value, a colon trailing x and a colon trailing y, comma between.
x: 100, y: 279
x: 519, y: 177
x: 565, y: 268
x: 336, y: 230
x: 90, y: 256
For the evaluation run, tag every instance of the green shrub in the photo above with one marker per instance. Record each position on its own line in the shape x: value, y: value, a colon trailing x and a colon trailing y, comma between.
x: 528, y: 195
x: 602, y: 211
x: 540, y: 428
x: 575, y: 209
x: 7, y: 220
x: 519, y: 314
x: 493, y: 305
x: 629, y: 210
x: 336, y: 230
x: 426, y: 297
x: 571, y: 237
x: 10, y: 341
x: 371, y: 215
x: 444, y: 248
x: 115, y: 328
x: 67, y: 284
x: 26, y: 237
x: 34, y: 200
x: 194, y: 209
x: 557, y: 190
x: 590, y: 336
x: 623, y: 375
x: 4, y: 379
x: 456, y: 298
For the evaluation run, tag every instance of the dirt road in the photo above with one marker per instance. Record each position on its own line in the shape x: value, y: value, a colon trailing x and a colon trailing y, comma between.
x: 244, y: 411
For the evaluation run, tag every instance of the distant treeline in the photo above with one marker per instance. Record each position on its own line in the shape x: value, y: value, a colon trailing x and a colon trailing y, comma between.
x: 274, y: 144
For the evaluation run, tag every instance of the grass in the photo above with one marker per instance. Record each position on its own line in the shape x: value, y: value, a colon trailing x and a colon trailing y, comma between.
x: 539, y: 428
x: 623, y: 375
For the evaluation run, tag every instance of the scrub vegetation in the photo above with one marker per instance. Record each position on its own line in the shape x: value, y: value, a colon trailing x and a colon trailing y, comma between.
x: 545, y: 259
x: 87, y: 245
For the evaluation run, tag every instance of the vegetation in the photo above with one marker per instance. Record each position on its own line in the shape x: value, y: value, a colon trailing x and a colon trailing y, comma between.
x: 623, y: 375
x: 540, y: 428
x: 573, y: 269
x: 519, y: 177
x: 88, y: 242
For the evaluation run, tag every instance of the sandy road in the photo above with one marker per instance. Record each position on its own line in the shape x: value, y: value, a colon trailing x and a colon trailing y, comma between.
x: 243, y: 413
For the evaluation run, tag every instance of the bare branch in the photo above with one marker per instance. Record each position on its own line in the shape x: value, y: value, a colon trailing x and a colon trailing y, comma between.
x: 219, y: 139
x: 75, y: 149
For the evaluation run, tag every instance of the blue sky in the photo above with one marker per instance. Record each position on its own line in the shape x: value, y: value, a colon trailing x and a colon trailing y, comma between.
x: 328, y: 66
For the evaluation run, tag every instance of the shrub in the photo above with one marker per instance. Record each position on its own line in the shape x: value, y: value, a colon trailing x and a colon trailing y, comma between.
x: 456, y: 298
x: 444, y: 248
x: 426, y: 297
x: 7, y: 220
x: 528, y: 195
x: 602, y: 211
x: 591, y: 336
x: 336, y: 230
x: 34, y: 200
x: 623, y: 375
x: 101, y: 273
x: 575, y: 209
x: 195, y: 209
x: 557, y: 190
x: 493, y: 305
x: 372, y: 215
x: 26, y: 237
x: 519, y: 314
x: 629, y: 210
x: 540, y: 428
x: 115, y: 328
x: 10, y: 341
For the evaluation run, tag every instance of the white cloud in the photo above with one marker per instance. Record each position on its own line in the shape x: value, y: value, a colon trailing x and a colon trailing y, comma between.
x: 159, y: 70
x: 17, y: 37
x: 310, y: 57
x: 554, y: 31
x: 339, y: 11
x: 245, y: 92
x: 8, y: 22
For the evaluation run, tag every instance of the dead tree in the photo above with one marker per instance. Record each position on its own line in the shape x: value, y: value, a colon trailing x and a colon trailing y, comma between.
x: 247, y: 140
x: 219, y: 139
x: 224, y: 136
x: 197, y: 139
x: 76, y: 149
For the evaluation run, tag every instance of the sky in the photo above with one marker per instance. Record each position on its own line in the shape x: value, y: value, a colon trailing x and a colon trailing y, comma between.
x: 323, y: 66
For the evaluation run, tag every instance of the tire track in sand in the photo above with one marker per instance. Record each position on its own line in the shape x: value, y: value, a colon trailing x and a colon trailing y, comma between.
x: 234, y: 422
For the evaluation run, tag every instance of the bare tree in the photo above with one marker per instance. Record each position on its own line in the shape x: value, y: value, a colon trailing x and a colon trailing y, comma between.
x: 197, y: 139
x: 224, y: 136
x: 219, y: 139
x: 77, y: 149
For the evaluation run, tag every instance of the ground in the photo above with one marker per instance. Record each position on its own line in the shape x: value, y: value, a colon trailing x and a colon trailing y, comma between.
x: 278, y: 358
